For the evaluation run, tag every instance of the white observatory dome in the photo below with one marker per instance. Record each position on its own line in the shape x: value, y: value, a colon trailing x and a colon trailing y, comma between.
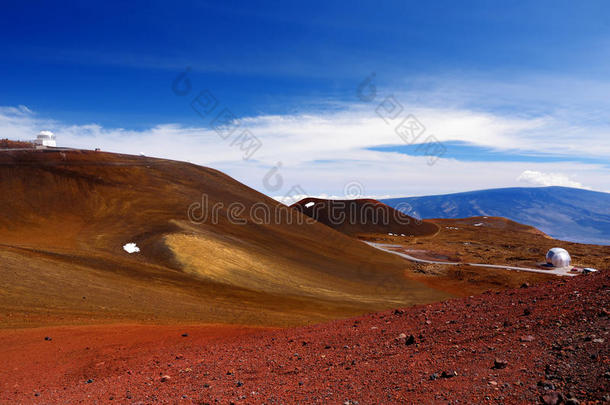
x: 45, y: 138
x: 558, y: 257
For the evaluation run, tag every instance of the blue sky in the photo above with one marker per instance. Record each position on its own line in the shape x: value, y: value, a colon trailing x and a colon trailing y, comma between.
x: 506, y: 87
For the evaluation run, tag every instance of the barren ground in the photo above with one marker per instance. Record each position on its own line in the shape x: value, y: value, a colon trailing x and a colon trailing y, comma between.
x: 515, y: 346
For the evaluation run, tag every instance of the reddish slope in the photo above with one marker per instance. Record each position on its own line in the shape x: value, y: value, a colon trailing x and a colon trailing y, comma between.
x: 551, y: 340
x: 67, y: 214
x: 363, y: 217
x: 8, y: 144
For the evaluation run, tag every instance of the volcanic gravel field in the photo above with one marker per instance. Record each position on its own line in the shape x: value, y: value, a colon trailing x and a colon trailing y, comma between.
x: 545, y: 343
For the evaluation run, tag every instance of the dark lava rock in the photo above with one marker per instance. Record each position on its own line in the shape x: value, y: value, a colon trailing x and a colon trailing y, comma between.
x: 546, y: 385
x: 499, y: 364
x: 47, y: 338
x: 434, y: 376
x: 449, y: 374
x: 527, y: 311
x: 525, y: 285
x: 89, y: 381
x: 185, y: 335
x: 552, y: 398
x: 410, y: 340
x: 239, y: 384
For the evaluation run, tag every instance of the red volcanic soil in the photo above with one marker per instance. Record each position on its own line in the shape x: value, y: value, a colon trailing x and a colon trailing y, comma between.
x: 58, y: 356
x: 363, y: 217
x: 8, y: 144
x: 541, y: 343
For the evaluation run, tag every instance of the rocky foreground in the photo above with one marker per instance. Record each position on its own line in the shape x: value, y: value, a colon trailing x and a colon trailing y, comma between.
x: 546, y: 343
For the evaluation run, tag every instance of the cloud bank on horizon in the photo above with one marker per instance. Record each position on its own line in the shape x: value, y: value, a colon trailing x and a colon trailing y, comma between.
x: 321, y: 152
x: 512, y: 94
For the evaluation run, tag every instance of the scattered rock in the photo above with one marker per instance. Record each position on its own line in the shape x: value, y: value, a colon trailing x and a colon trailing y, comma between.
x: 434, y: 376
x: 165, y: 378
x: 546, y: 385
x: 47, y: 338
x: 525, y: 285
x: 239, y: 384
x: 185, y: 335
x: 410, y: 340
x: 499, y: 364
x: 89, y: 381
x: 527, y: 338
x: 449, y: 374
x: 527, y: 311
x: 552, y: 398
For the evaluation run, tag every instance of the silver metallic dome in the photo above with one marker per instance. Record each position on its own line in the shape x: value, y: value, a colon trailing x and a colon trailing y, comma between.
x: 558, y: 257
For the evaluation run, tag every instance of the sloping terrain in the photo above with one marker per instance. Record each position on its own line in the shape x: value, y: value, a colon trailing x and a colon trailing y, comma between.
x: 363, y: 217
x: 211, y: 249
x: 9, y: 144
x: 564, y: 213
x: 487, y: 240
x: 543, y: 344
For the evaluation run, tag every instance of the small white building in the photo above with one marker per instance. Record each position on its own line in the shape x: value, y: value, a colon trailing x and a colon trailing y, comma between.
x: 44, y: 139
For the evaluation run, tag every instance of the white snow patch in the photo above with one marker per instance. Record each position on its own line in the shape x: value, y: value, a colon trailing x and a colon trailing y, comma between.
x: 479, y: 224
x: 131, y: 248
x: 309, y: 204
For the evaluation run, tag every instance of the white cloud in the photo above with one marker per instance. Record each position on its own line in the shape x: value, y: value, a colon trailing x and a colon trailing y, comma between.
x: 321, y: 153
x: 547, y: 179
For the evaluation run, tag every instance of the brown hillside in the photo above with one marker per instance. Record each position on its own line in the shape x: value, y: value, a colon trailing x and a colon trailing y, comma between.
x: 65, y: 216
x: 363, y: 217
x: 8, y: 144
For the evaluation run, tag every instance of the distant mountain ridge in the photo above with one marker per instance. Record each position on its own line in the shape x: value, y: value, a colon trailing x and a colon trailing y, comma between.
x: 564, y: 213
